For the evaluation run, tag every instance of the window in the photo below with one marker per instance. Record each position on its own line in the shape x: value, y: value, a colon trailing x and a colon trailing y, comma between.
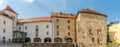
x: 47, y: 26
x: 69, y: 33
x: 98, y: 41
x: 68, y: 21
x: 14, y: 17
x: 57, y: 26
x: 19, y: 28
x: 36, y: 28
x: 98, y: 31
x: 57, y: 20
x: 90, y: 31
x: 25, y: 27
x: 57, y: 33
x: 4, y: 39
x: 92, y: 39
x: 68, y: 27
x: 4, y: 30
x: 47, y: 33
x: 4, y: 22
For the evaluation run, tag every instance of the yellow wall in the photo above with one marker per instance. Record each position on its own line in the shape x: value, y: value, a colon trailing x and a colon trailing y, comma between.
x: 114, y: 32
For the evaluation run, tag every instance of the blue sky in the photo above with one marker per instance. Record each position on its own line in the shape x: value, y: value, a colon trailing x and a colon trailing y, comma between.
x: 41, y: 8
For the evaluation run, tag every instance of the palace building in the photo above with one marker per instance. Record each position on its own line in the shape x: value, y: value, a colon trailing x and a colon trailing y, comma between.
x: 8, y: 20
x: 38, y: 29
x: 86, y: 29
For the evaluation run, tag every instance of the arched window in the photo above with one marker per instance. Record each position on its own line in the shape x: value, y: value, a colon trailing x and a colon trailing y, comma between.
x: 47, y: 39
x: 58, y: 40
x: 37, y: 39
x: 27, y: 40
x: 69, y: 40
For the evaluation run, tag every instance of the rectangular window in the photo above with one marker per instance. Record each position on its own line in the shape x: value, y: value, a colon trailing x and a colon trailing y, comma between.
x: 93, y: 40
x: 36, y: 28
x: 57, y: 26
x: 98, y: 31
x: 57, y: 20
x: 19, y: 28
x: 90, y: 31
x: 25, y: 27
x: 4, y: 30
x: 4, y: 22
x: 47, y: 26
x: 68, y: 27
x: 57, y: 33
x: 68, y: 33
x: 68, y: 21
x: 47, y: 33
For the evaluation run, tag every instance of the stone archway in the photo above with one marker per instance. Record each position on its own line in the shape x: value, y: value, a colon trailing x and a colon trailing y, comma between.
x: 69, y: 40
x: 27, y: 40
x: 57, y: 40
x: 47, y: 39
x: 37, y: 39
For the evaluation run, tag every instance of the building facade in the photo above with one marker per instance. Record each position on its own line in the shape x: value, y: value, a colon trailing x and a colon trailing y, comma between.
x: 5, y: 28
x: 8, y: 18
x: 64, y: 27
x: 91, y: 29
x: 9, y: 11
x: 38, y: 29
x: 114, y: 32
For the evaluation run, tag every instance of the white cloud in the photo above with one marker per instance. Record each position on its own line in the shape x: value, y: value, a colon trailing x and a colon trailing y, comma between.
x: 29, y: 1
x: 1, y: 2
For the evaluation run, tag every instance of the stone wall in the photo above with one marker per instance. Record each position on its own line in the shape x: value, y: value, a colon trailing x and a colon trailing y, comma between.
x: 63, y: 24
x: 49, y: 45
x: 91, y: 30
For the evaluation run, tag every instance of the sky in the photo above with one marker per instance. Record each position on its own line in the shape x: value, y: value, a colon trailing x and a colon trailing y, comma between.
x: 42, y: 8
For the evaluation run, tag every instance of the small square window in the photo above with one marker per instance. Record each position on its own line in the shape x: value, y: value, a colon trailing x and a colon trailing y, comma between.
x: 47, y: 26
x: 57, y: 26
x: 57, y: 20
x: 68, y: 27
x: 69, y: 33
x: 47, y: 33
x: 68, y: 21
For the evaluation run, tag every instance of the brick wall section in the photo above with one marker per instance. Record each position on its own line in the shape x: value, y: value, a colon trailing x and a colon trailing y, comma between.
x: 93, y: 38
x: 63, y: 25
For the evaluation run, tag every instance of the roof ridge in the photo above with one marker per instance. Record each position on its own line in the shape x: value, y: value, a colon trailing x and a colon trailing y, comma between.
x: 10, y: 9
x: 91, y: 11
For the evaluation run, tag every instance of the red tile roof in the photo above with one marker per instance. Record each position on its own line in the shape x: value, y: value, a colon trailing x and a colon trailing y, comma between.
x: 62, y: 15
x: 37, y: 19
x: 91, y: 12
x: 10, y: 9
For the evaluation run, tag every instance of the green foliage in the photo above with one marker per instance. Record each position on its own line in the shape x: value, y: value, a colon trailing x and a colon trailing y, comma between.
x: 109, y: 45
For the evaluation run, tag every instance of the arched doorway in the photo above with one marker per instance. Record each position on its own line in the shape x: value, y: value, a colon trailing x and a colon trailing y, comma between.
x: 37, y: 39
x: 69, y: 40
x: 57, y: 40
x: 47, y: 39
x: 27, y: 40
